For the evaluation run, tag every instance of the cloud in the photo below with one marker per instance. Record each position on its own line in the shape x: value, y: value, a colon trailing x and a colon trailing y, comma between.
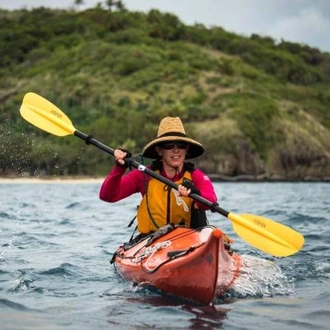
x: 309, y: 26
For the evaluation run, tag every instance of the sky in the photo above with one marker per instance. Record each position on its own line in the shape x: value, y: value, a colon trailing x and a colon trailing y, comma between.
x: 302, y: 21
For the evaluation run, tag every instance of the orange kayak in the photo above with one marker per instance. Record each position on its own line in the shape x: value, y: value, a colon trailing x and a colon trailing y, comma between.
x: 195, y: 264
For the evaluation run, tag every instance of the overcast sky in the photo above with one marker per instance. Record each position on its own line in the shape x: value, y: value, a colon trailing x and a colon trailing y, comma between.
x: 302, y: 21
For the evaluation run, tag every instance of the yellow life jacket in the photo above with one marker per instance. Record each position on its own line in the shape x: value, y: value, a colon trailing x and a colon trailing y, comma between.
x: 162, y: 205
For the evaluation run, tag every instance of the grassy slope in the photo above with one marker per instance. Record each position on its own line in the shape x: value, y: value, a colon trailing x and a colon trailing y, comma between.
x: 117, y: 85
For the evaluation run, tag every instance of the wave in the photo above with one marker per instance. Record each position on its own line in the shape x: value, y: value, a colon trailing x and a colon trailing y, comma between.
x: 260, y: 278
x: 25, y: 285
x: 65, y: 269
x: 8, y: 304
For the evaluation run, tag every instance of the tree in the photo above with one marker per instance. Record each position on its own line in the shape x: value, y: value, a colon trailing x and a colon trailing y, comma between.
x: 79, y: 3
x: 110, y: 4
x: 119, y: 5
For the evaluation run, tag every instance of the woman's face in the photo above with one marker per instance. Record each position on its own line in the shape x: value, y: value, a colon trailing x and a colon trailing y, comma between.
x: 173, y: 153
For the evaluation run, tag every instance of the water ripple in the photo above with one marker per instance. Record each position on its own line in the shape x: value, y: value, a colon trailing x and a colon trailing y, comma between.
x: 64, y: 270
x: 73, y: 205
x: 25, y: 285
x: 8, y: 304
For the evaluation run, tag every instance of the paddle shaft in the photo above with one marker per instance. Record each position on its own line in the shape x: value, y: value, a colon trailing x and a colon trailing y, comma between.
x: 133, y: 163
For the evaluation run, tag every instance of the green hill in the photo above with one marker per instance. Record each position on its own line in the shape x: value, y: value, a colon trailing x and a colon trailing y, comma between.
x: 260, y: 108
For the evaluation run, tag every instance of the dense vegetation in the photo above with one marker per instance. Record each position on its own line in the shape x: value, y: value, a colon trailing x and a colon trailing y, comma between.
x: 260, y: 108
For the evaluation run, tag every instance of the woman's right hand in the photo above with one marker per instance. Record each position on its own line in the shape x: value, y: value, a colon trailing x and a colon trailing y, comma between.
x: 120, y: 156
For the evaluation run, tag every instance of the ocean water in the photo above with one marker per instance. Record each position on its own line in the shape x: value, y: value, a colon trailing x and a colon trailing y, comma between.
x: 56, y: 240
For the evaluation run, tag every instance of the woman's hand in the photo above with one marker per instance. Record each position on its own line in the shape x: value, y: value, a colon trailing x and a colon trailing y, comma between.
x: 189, y: 188
x: 183, y: 191
x: 120, y: 156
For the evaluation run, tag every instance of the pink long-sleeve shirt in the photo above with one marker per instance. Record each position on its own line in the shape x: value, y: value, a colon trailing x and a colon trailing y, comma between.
x: 117, y: 186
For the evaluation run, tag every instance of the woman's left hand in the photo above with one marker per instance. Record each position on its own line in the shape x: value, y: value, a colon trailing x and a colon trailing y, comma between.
x: 183, y: 191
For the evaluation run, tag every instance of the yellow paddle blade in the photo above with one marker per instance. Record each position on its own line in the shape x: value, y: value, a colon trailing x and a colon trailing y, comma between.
x: 267, y: 235
x: 45, y: 115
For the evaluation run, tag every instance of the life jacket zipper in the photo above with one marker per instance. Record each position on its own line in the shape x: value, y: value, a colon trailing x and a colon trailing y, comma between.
x: 168, y: 213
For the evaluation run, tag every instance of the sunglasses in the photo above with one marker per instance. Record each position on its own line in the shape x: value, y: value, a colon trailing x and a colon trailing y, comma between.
x: 172, y: 144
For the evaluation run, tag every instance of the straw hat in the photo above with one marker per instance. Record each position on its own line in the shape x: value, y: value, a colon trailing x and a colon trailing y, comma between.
x: 171, y: 129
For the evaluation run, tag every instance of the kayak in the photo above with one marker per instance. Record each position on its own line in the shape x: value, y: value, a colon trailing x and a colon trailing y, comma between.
x: 194, y: 264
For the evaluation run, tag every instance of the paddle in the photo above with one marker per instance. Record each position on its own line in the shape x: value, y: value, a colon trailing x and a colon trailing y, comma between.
x: 262, y: 233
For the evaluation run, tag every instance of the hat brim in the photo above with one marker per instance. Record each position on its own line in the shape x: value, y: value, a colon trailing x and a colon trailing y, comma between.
x: 195, y: 148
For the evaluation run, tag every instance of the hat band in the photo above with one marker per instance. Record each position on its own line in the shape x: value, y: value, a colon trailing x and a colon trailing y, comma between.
x: 173, y: 134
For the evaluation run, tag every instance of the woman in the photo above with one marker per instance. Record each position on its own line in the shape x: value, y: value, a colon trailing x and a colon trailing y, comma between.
x: 162, y: 204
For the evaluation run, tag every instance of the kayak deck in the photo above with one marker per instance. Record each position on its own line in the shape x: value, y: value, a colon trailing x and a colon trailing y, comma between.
x: 189, y: 263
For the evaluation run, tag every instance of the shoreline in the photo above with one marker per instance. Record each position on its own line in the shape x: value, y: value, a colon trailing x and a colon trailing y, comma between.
x: 214, y: 178
x: 11, y: 180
